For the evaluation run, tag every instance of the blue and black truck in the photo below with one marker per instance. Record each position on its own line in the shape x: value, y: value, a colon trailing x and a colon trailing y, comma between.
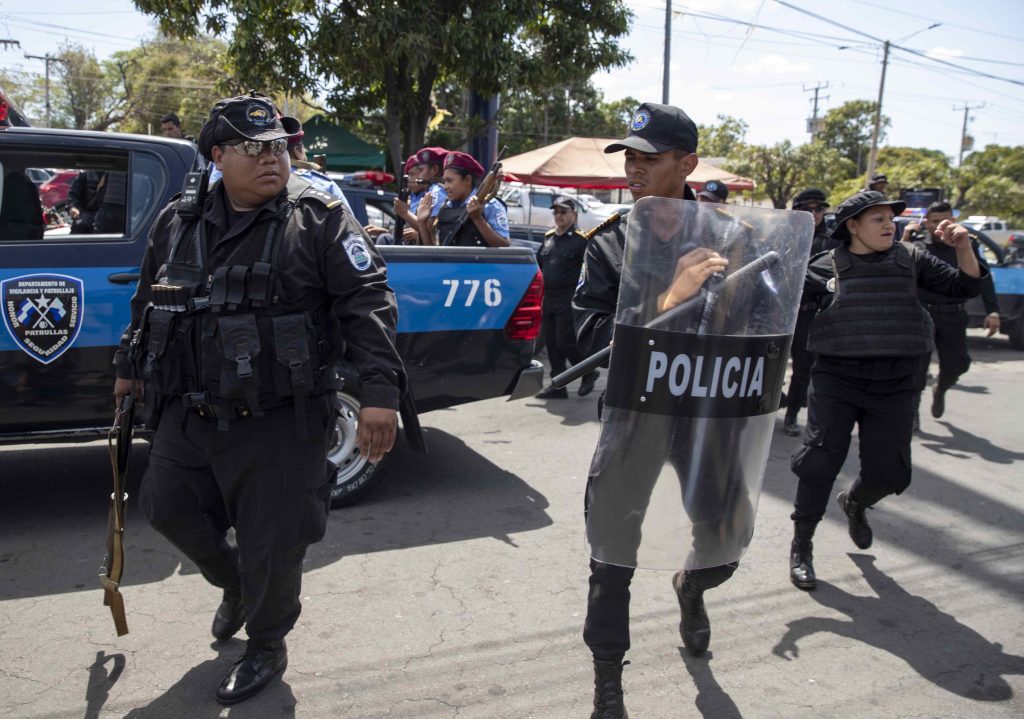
x: 75, y: 212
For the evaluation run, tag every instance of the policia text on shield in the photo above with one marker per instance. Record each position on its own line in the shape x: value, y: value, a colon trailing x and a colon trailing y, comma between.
x: 598, y: 358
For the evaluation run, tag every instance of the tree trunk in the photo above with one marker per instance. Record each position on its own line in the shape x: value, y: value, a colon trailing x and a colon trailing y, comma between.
x: 422, y: 108
x: 394, y: 77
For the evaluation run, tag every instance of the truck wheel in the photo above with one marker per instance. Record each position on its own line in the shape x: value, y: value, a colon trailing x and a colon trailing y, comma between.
x: 356, y: 476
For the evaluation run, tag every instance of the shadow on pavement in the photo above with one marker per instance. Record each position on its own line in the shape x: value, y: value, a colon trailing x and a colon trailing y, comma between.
x: 453, y: 494
x: 947, y: 653
x: 712, y: 701
x: 54, y: 514
x: 961, y: 443
x: 193, y: 695
x: 101, y: 680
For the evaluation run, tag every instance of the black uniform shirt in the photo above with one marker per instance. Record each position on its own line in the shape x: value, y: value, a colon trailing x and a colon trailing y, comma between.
x: 313, y: 270
x: 947, y: 254
x: 560, y: 259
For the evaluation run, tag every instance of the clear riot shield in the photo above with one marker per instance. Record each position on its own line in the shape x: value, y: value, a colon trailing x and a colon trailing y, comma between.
x: 692, y: 392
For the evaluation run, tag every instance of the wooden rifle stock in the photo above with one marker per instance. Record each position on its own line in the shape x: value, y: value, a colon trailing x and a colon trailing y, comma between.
x: 119, y: 442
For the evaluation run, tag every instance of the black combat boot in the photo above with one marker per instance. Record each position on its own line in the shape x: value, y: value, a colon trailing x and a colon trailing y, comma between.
x: 261, y: 662
x: 938, y: 401
x: 694, y: 625
x: 801, y: 559
x: 608, y: 703
x: 790, y: 426
x: 587, y: 385
x: 860, y: 532
x: 230, y: 615
x: 553, y: 393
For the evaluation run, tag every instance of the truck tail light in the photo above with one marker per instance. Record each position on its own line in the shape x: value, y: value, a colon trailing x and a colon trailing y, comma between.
x: 524, y: 324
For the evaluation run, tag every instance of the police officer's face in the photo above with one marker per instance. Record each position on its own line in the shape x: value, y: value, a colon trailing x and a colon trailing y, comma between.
x: 872, y: 230
x: 457, y: 186
x: 564, y: 218
x: 816, y: 209
x: 416, y: 177
x: 661, y: 174
x: 251, y: 181
x: 932, y: 220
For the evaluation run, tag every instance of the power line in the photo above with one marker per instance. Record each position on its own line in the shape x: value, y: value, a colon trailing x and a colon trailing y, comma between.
x: 930, y: 18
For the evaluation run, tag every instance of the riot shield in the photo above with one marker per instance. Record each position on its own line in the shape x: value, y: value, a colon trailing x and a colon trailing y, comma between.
x: 696, y: 372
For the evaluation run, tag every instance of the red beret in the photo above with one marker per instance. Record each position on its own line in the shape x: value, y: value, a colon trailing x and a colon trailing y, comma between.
x: 430, y: 156
x: 461, y: 161
x: 296, y: 139
x: 410, y: 163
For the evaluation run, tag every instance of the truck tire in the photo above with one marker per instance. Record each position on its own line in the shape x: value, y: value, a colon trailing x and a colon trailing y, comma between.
x: 356, y: 476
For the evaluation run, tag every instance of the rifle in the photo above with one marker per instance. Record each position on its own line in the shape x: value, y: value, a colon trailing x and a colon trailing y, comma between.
x: 403, y: 195
x: 119, y: 442
x: 486, y: 191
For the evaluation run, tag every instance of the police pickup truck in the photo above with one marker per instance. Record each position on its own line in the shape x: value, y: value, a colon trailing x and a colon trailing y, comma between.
x: 467, y: 317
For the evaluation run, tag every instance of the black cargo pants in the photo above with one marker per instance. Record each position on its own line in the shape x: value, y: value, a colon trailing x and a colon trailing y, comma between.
x: 883, y: 409
x: 559, y: 335
x: 256, y: 477
x: 951, y: 323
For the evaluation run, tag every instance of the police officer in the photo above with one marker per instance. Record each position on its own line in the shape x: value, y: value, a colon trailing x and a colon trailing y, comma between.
x: 948, y: 313
x: 309, y: 171
x: 713, y: 191
x: 865, y: 357
x: 878, y: 183
x: 243, y: 307
x: 810, y: 200
x: 424, y: 168
x: 659, y: 155
x: 170, y: 126
x: 560, y: 259
x: 463, y: 220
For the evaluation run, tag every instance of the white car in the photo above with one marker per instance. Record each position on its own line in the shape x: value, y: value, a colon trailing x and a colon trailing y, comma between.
x: 531, y: 205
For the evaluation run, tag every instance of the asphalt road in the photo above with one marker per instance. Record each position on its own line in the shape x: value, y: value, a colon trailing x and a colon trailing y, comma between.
x: 458, y: 588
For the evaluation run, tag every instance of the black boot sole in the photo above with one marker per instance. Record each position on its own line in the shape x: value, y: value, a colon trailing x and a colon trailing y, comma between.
x: 250, y: 693
x: 807, y: 586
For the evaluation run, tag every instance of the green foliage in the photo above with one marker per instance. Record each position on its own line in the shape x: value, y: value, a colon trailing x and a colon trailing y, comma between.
x: 848, y: 128
x: 367, y: 54
x: 86, y: 94
x: 723, y: 138
x: 528, y: 120
x: 165, y: 75
x: 910, y: 167
x: 782, y: 170
x: 997, y: 195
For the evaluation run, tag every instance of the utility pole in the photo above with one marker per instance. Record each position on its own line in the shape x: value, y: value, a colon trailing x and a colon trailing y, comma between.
x: 9, y: 44
x: 668, y: 51
x: 812, y: 124
x: 963, y: 133
x: 47, y: 58
x: 873, y: 157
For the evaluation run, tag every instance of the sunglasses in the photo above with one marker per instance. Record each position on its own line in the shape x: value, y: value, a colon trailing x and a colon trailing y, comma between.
x: 812, y: 208
x: 255, y: 148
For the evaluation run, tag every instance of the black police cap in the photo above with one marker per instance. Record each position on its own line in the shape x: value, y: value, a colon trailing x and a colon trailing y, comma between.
x: 878, y: 177
x: 811, y: 194
x: 853, y: 206
x: 564, y: 201
x: 715, y: 190
x: 656, y: 128
x: 246, y: 117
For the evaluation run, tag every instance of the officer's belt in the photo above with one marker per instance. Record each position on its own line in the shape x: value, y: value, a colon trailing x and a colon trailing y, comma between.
x: 199, y: 402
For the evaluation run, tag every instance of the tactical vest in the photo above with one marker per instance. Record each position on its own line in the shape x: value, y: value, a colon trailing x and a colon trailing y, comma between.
x: 874, y: 310
x: 224, y: 342
x: 451, y: 234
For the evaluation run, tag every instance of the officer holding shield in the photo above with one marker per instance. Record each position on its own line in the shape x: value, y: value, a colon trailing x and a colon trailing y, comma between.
x: 246, y: 300
x: 659, y: 155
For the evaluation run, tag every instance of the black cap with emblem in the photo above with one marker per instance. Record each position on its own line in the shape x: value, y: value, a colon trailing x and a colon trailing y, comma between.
x: 656, y: 128
x: 246, y: 117
x: 564, y: 201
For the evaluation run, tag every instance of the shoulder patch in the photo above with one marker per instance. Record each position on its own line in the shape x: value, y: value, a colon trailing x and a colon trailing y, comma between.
x: 358, y: 254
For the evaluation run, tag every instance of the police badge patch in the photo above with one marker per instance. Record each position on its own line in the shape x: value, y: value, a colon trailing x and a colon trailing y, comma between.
x: 43, y: 313
x: 357, y: 252
x: 640, y: 120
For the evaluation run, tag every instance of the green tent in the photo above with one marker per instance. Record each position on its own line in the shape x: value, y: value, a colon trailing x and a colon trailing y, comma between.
x: 344, y: 150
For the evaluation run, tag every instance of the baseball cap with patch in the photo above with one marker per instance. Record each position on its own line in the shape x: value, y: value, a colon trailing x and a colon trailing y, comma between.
x: 246, y: 117
x: 878, y: 177
x: 714, y: 190
x: 656, y: 128
x: 564, y: 201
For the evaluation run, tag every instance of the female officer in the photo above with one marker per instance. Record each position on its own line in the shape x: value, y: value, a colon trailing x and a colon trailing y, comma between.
x: 463, y: 220
x: 867, y: 343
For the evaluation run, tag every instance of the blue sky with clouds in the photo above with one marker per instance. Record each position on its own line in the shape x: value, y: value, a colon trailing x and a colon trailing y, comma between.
x: 720, y: 65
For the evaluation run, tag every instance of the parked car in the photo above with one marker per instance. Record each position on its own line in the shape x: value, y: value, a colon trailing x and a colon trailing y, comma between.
x: 531, y: 205
x: 994, y: 228
x: 54, y: 191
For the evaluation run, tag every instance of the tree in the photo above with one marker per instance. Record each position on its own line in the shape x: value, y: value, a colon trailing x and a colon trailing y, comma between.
x: 367, y: 54
x: 783, y: 170
x: 910, y: 167
x: 722, y: 138
x: 848, y: 128
x: 997, y: 195
x: 993, y: 161
x: 89, y: 95
x: 165, y: 75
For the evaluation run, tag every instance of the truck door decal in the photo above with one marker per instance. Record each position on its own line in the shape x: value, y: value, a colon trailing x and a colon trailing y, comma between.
x: 43, y: 313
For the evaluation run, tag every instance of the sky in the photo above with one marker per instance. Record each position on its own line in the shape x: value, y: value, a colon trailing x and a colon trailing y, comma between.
x: 720, y: 64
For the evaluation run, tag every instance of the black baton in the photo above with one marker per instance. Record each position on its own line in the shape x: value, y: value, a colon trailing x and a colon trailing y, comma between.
x: 598, y: 358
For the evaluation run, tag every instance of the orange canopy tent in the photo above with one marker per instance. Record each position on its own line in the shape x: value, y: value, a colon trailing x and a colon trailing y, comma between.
x: 581, y: 162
